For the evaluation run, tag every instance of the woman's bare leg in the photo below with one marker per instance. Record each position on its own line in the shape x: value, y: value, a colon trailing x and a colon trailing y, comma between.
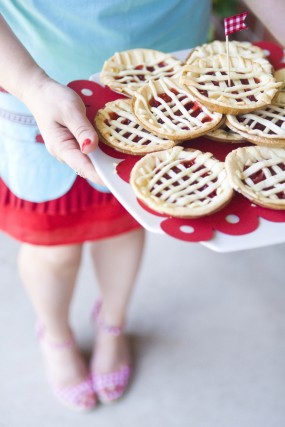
x: 49, y: 275
x: 117, y: 261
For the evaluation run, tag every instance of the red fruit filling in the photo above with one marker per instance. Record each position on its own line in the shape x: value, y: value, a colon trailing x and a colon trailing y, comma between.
x: 113, y: 116
x: 216, y: 83
x: 187, y: 164
x: 260, y: 176
x: 256, y: 125
x: 146, y: 69
x: 193, y: 107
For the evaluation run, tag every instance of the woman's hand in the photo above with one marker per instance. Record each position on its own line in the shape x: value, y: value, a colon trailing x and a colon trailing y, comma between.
x: 61, y: 117
x: 58, y: 110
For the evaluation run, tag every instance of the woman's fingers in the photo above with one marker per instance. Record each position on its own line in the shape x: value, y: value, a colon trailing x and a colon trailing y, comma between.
x: 82, y: 130
x: 66, y: 130
x: 81, y: 164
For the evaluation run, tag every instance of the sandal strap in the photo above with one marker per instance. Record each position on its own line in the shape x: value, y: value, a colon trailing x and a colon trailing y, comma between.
x: 112, y: 380
x: 73, y: 394
x: 111, y: 386
x: 57, y: 345
x: 109, y: 329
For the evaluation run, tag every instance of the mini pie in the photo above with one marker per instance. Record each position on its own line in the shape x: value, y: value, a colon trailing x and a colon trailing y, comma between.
x: 259, y: 174
x: 280, y: 77
x: 225, y: 134
x: 168, y: 110
x: 265, y: 126
x: 181, y: 182
x: 119, y: 128
x: 127, y: 71
x: 251, y: 86
x: 244, y: 49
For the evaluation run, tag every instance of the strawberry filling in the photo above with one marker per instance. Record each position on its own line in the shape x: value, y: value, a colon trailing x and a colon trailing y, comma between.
x: 260, y: 176
x: 205, y: 93
x: 126, y: 133
x: 201, y: 185
x: 259, y: 126
x: 144, y: 75
x: 192, y: 107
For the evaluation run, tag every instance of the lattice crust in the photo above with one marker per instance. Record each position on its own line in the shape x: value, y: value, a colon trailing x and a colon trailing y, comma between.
x: 279, y: 98
x: 225, y: 134
x: 182, y: 183
x: 265, y: 126
x: 170, y: 111
x: 244, y: 49
x: 251, y: 87
x: 280, y: 77
x: 259, y: 174
x: 127, y: 71
x: 119, y: 128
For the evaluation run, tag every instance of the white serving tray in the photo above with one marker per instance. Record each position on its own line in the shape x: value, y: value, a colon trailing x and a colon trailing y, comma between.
x: 268, y: 233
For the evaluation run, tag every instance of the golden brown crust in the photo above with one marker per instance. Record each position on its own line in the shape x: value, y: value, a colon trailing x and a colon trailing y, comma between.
x: 181, y: 183
x: 280, y: 77
x: 127, y: 71
x: 264, y: 126
x: 168, y: 110
x: 119, y: 128
x: 258, y: 174
x: 258, y: 140
x: 224, y: 134
x: 251, y: 87
x: 236, y: 48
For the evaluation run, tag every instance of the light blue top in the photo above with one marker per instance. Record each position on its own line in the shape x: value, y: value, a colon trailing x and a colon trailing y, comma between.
x: 70, y: 40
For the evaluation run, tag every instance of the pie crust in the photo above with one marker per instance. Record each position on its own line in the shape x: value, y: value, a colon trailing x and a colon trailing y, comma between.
x: 168, y: 110
x: 280, y: 77
x: 225, y: 134
x: 259, y: 174
x: 251, y: 86
x: 127, y: 71
x: 236, y: 48
x: 119, y: 128
x: 181, y: 182
x: 265, y: 126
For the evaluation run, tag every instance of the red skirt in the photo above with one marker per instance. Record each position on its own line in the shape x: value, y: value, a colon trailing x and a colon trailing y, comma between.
x: 82, y: 214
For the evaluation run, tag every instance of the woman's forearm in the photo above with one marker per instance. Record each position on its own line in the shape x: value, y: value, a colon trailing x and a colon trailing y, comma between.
x: 272, y: 14
x: 18, y: 70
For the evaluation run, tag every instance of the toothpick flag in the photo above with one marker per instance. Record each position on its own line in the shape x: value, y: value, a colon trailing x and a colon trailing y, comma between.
x: 235, y: 23
x: 232, y: 25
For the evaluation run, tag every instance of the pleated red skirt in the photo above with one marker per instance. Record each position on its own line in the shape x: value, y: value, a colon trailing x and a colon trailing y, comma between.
x: 82, y: 214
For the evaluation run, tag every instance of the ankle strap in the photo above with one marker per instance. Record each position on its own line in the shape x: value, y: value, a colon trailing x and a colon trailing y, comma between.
x: 109, y: 329
x: 57, y: 345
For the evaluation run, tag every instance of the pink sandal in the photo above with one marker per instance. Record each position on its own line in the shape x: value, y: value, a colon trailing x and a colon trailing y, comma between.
x: 110, y: 386
x: 79, y: 397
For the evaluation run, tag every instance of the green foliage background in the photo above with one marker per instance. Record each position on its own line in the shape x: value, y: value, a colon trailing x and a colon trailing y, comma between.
x: 224, y: 8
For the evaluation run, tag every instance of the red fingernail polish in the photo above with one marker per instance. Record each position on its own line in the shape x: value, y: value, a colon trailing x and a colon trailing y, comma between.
x: 85, y: 144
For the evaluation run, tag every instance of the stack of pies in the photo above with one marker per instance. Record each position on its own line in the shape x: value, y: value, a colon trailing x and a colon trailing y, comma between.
x: 171, y: 102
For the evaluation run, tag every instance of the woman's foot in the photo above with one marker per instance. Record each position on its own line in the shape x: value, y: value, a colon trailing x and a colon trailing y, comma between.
x: 67, y: 372
x: 111, y: 361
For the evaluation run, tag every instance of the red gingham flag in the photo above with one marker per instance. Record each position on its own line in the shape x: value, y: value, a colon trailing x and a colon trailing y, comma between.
x: 235, y: 23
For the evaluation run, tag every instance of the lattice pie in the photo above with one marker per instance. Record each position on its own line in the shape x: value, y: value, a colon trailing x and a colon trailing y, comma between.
x: 170, y: 111
x: 265, y: 126
x: 127, y: 71
x: 251, y: 86
x: 119, y: 128
x: 236, y: 48
x: 259, y: 174
x: 225, y: 134
x: 181, y: 183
